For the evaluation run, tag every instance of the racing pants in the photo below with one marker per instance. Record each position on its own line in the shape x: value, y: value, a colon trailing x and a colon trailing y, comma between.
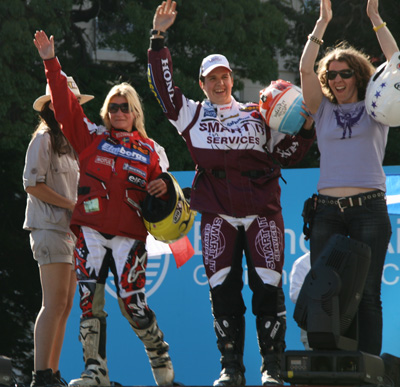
x: 261, y: 239
x: 95, y: 255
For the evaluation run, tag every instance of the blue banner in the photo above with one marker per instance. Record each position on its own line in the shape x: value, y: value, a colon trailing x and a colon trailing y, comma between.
x: 180, y: 300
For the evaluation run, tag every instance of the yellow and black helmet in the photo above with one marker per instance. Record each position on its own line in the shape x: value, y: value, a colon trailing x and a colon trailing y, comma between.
x: 168, y: 220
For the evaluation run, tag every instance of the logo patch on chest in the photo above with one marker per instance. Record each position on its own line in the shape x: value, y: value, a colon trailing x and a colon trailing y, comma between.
x: 137, y: 180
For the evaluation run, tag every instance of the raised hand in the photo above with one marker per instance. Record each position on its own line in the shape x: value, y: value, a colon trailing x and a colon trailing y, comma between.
x: 325, y: 11
x: 372, y: 10
x: 44, y: 45
x: 165, y: 15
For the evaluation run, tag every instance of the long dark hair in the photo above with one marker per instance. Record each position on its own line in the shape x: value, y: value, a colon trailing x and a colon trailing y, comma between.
x: 48, y: 122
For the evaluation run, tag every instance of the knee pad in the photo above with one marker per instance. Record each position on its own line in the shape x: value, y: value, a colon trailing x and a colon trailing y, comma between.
x: 268, y: 300
x: 227, y: 301
x: 138, y: 314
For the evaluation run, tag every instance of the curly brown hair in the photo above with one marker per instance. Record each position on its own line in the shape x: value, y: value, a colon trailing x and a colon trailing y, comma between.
x: 356, y: 60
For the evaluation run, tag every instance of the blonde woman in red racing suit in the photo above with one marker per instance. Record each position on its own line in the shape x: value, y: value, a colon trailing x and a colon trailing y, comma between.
x: 119, y: 166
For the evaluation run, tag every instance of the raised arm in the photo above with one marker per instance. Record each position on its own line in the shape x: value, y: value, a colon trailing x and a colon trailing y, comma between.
x: 164, y: 16
x: 310, y: 84
x: 385, y: 38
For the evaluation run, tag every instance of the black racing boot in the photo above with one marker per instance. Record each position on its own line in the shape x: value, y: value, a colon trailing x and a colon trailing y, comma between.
x: 230, y: 341
x: 58, y: 379
x: 271, y: 340
x: 44, y: 378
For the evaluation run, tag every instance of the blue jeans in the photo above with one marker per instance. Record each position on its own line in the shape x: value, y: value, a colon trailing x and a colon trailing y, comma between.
x: 369, y: 224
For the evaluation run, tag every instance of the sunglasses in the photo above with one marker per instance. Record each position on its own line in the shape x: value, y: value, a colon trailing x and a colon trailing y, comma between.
x: 344, y: 74
x: 114, y: 107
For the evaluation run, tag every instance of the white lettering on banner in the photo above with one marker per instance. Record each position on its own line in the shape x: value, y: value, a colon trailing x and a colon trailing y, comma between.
x: 199, y: 275
x: 291, y: 240
x: 387, y: 273
x: 391, y: 250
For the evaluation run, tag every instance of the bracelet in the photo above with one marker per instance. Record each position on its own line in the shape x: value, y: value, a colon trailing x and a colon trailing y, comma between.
x: 379, y: 27
x: 314, y: 39
x: 158, y: 33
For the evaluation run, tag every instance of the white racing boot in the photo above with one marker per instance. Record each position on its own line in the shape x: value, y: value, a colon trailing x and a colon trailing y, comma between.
x: 93, y: 338
x: 157, y: 351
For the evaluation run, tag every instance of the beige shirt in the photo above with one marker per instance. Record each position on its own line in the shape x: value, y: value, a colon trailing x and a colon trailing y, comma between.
x: 60, y: 173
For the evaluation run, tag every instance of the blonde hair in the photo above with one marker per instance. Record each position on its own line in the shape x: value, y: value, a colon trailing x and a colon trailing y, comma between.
x: 356, y: 60
x: 135, y: 105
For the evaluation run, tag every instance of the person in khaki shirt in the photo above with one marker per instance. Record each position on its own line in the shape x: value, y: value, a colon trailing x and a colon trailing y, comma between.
x: 50, y: 179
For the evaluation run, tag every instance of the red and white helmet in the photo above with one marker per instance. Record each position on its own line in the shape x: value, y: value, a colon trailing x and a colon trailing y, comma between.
x: 382, y: 98
x: 280, y: 106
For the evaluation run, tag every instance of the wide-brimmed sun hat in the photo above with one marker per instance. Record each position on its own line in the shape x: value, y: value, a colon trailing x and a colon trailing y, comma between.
x: 83, y: 98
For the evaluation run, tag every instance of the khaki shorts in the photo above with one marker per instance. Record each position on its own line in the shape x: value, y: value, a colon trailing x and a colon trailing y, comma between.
x: 50, y: 246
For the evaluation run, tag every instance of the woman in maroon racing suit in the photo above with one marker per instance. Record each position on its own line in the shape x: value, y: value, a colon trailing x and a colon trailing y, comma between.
x: 236, y: 189
x: 119, y: 166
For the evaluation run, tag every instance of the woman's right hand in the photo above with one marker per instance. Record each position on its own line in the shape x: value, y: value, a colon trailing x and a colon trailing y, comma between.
x: 44, y: 45
x: 165, y: 15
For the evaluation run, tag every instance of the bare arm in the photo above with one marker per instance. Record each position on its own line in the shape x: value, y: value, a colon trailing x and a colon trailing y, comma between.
x: 310, y: 84
x: 385, y: 38
x: 44, y: 193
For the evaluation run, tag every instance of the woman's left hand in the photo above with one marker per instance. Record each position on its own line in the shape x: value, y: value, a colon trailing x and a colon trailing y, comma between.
x: 157, y: 188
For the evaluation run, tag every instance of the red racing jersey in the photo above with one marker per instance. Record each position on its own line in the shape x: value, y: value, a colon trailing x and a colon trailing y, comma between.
x: 115, y: 165
x: 238, y: 157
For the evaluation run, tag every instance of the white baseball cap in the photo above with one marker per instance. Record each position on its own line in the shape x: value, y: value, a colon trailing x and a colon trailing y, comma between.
x: 211, y: 62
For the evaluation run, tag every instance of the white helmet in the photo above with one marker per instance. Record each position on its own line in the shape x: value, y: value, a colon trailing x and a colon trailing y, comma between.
x: 382, y: 98
x: 280, y: 106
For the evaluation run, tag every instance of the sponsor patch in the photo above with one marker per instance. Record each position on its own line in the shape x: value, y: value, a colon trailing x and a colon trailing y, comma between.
x: 138, y: 154
x: 137, y: 180
x: 130, y: 168
x: 104, y: 160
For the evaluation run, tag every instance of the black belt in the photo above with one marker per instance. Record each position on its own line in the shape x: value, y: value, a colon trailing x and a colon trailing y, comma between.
x: 350, y: 201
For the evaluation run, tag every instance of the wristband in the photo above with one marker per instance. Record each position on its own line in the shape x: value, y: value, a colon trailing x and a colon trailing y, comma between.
x: 379, y: 27
x: 158, y: 33
x: 314, y: 39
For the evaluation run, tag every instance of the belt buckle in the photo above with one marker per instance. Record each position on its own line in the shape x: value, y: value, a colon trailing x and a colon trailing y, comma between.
x: 342, y: 207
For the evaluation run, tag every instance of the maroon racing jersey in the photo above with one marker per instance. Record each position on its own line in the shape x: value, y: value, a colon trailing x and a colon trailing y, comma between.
x: 238, y: 157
